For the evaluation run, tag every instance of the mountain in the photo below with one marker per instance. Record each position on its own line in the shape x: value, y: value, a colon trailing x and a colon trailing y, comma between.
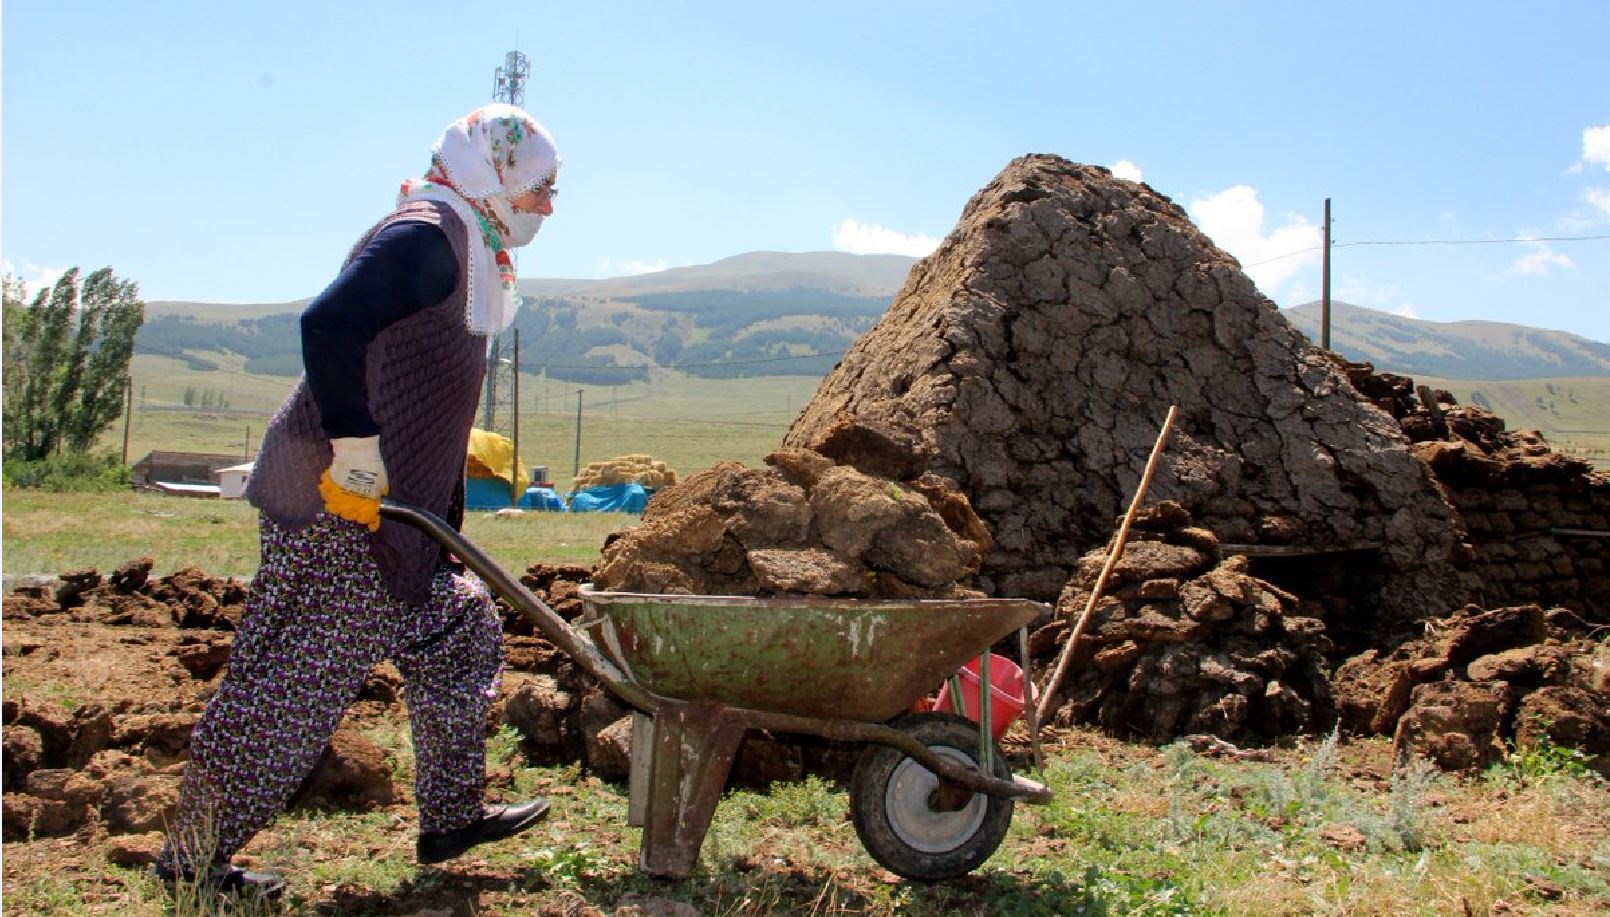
x: 837, y: 272
x: 1453, y: 350
x: 760, y: 313
x: 779, y: 313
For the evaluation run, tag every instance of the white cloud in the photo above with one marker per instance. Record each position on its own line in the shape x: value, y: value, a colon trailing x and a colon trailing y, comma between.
x: 871, y: 239
x: 1596, y: 146
x: 1600, y: 199
x: 1234, y: 217
x: 609, y: 267
x: 36, y: 277
x: 1127, y: 170
x: 1383, y: 297
x: 1406, y: 310
x: 1541, y: 260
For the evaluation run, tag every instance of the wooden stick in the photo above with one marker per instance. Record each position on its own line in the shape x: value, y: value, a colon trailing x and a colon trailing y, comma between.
x: 1030, y: 707
x: 1048, y: 695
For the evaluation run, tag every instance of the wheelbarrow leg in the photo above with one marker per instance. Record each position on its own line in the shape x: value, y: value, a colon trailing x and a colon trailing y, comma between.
x: 692, y: 748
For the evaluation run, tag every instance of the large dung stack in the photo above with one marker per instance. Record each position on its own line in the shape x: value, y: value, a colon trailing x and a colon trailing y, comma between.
x: 1039, y: 348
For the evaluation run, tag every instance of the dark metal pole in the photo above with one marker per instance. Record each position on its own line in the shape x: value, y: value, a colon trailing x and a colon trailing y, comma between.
x: 514, y: 425
x: 576, y: 469
x: 489, y: 409
x: 128, y: 416
x: 1324, y: 282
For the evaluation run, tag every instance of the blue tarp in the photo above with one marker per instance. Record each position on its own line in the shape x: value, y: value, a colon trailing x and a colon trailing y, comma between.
x: 486, y: 493
x: 611, y: 498
x: 543, y: 498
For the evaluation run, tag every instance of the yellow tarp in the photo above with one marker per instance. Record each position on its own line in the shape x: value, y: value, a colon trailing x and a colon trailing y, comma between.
x: 492, y: 456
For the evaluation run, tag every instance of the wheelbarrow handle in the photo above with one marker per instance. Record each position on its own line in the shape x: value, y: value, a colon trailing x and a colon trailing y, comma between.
x: 511, y: 590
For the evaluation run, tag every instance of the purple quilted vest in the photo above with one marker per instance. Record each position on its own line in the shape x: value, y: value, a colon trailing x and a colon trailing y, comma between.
x: 424, y: 378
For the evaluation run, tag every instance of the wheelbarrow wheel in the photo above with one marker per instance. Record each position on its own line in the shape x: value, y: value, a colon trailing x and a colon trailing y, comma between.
x: 915, y: 824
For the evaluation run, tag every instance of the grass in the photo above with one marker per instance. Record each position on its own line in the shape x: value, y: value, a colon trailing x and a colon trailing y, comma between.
x: 49, y: 533
x: 1326, y: 829
x: 1570, y: 412
x: 687, y: 422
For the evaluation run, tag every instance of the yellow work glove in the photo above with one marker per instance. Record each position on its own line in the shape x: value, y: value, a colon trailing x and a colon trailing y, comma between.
x: 356, y: 480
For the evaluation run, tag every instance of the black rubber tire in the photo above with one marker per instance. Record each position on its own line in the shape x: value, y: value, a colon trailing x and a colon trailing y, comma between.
x: 884, y: 803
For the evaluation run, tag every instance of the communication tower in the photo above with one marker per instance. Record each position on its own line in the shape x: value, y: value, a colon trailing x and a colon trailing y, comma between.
x: 509, y: 83
x: 497, y: 407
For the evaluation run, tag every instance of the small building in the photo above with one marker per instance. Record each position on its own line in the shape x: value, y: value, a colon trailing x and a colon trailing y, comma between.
x: 179, y: 468
x: 232, y: 480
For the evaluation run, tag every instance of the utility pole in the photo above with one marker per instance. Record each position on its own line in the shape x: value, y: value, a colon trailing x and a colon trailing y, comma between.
x: 576, y: 468
x: 514, y: 425
x: 1324, y: 284
x: 489, y: 409
x: 128, y: 416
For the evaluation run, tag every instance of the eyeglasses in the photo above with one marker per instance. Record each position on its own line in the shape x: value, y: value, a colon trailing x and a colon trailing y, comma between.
x: 549, y: 190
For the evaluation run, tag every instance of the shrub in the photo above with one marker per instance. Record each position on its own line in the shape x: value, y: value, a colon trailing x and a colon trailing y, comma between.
x: 78, y: 472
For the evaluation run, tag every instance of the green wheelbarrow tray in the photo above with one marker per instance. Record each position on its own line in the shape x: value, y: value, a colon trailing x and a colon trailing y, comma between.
x: 701, y: 671
x: 839, y: 659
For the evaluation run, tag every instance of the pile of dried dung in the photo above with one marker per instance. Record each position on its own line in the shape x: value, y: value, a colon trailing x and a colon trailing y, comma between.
x: 1536, y: 519
x: 1482, y: 678
x: 1184, y: 642
x: 1039, y: 347
x: 855, y: 516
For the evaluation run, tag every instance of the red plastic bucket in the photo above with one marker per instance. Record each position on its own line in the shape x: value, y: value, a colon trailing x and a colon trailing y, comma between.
x: 1005, y: 693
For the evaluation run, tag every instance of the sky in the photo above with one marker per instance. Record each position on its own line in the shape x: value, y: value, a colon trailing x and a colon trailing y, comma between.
x: 231, y: 152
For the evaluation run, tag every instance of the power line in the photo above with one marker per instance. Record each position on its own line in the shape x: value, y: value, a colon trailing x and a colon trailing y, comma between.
x: 1355, y: 244
x: 1476, y: 241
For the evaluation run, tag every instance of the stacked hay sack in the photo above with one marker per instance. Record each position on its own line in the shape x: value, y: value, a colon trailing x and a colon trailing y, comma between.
x: 636, y: 468
x: 855, y: 515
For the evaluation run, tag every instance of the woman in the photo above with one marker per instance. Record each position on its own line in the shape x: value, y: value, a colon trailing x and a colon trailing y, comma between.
x: 394, y: 352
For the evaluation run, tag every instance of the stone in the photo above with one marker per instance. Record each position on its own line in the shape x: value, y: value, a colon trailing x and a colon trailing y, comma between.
x: 1569, y: 717
x: 24, y: 753
x: 1454, y: 724
x: 537, y: 707
x: 137, y: 804
x: 351, y: 776
x: 609, y: 751
x: 134, y: 851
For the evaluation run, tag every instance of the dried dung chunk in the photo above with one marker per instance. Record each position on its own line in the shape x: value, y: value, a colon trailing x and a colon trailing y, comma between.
x: 804, y: 525
x: 880, y: 448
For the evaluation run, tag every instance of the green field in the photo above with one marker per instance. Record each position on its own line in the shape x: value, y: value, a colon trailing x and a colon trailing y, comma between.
x: 689, y: 423
x: 1574, y: 413
x: 49, y: 533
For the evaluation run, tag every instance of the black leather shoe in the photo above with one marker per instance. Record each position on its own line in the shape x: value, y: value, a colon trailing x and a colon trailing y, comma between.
x: 499, y: 822
x: 225, y: 879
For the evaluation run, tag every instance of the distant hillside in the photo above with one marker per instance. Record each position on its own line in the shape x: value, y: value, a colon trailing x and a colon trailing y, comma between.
x: 757, y: 314
x: 838, y: 272
x: 1453, y: 350
x: 775, y: 313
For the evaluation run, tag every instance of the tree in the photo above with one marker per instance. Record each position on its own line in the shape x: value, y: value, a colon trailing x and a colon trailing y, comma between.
x: 67, y: 361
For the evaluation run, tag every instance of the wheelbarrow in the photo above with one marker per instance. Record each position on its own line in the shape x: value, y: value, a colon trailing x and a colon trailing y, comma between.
x: 931, y: 796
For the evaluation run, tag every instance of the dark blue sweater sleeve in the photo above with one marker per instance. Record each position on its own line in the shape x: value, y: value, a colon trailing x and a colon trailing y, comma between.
x: 406, y: 267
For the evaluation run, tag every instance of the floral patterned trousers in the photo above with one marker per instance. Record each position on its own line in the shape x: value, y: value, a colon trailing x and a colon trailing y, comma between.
x: 317, y: 621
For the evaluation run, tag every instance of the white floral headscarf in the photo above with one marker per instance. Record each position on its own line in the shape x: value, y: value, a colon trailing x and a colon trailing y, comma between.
x: 481, y: 162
